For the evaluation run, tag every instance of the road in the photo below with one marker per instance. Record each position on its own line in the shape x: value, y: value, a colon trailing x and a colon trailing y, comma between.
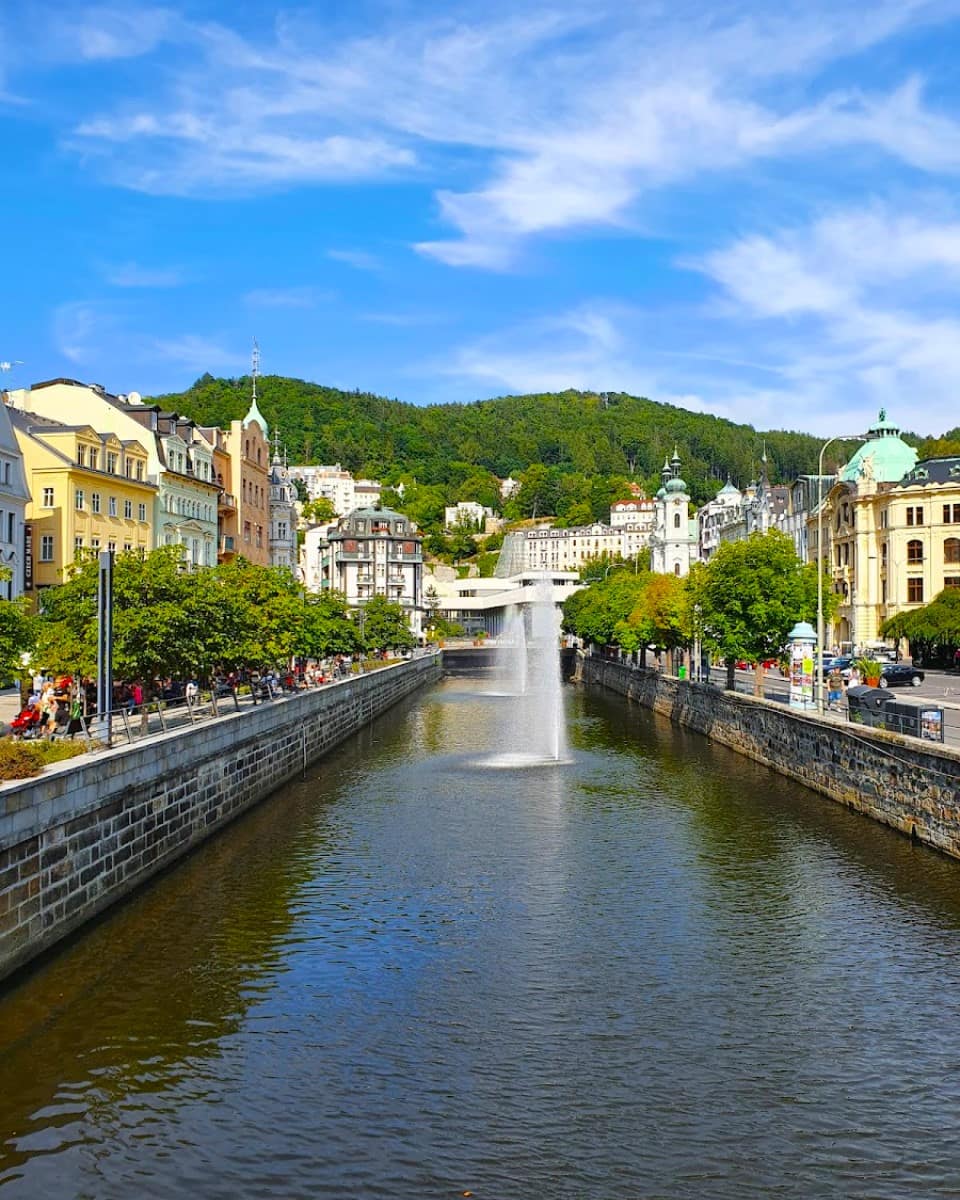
x: 939, y: 688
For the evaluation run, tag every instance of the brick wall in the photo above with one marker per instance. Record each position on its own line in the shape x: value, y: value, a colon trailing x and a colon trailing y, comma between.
x: 87, y: 831
x: 909, y: 785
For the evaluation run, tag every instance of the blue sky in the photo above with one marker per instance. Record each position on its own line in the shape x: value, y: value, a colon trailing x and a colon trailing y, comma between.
x: 748, y: 209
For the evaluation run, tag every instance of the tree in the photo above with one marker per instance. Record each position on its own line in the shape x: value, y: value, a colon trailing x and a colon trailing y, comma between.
x: 750, y: 595
x: 18, y: 632
x: 319, y: 511
x: 382, y: 625
x: 933, y: 631
x: 327, y: 627
x: 461, y: 542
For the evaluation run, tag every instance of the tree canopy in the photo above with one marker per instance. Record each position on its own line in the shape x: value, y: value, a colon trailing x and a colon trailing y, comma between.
x: 933, y: 631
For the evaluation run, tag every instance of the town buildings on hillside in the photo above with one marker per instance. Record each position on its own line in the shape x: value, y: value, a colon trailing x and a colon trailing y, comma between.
x: 337, y: 485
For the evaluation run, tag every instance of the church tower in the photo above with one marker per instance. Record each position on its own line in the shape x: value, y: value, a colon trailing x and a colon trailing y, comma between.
x: 673, y: 546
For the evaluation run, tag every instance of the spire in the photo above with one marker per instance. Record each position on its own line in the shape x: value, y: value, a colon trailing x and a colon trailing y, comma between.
x: 255, y: 414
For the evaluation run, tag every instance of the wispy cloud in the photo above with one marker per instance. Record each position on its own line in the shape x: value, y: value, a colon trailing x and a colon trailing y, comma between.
x: 76, y: 330
x: 291, y: 297
x: 194, y: 353
x: 105, y: 32
x: 363, y: 260
x: 133, y: 275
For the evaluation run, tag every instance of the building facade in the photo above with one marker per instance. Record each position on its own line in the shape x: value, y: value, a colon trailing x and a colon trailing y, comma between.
x: 673, y: 546
x: 283, y: 518
x: 376, y: 552
x: 337, y: 485
x: 89, y: 492
x: 14, y: 498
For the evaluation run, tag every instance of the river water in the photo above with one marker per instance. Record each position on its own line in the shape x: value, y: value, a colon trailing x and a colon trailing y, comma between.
x: 658, y: 971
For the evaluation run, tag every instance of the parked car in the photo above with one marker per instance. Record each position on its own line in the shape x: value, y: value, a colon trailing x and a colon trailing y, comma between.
x: 895, y: 674
x: 844, y: 662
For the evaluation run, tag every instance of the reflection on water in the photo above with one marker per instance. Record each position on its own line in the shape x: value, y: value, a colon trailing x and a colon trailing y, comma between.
x: 659, y: 971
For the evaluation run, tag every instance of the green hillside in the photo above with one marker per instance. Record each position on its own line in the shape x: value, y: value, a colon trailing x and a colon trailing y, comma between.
x: 582, y: 446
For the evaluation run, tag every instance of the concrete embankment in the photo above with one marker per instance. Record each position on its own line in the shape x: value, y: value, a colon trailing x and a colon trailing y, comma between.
x: 87, y: 831
x: 910, y: 785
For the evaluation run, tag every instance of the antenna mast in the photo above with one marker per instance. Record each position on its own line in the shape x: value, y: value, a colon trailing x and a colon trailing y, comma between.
x: 255, y: 367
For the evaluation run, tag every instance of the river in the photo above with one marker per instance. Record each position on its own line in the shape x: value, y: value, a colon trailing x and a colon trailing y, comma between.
x: 657, y: 971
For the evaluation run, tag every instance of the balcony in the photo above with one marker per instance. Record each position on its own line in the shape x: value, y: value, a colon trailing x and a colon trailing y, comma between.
x: 227, y: 545
x: 227, y: 501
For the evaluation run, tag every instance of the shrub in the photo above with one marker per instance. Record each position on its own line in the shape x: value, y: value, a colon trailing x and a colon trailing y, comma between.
x: 24, y: 760
x: 20, y: 760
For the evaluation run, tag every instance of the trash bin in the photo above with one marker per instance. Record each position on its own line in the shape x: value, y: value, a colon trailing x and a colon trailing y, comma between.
x: 868, y: 705
x: 903, y: 718
x: 681, y: 672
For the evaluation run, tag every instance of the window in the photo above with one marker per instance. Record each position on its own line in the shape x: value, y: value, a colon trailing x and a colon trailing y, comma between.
x: 951, y: 514
x: 676, y: 568
x: 48, y: 497
x: 95, y: 502
x: 915, y: 591
x: 11, y: 526
x: 883, y: 555
x: 82, y: 455
x: 128, y: 509
x: 951, y: 550
x: 111, y: 545
x: 94, y: 458
x: 46, y: 548
x: 6, y: 472
x: 246, y: 531
x: 77, y: 547
x: 915, y: 514
x: 140, y: 470
x: 676, y: 520
x: 141, y: 512
x: 127, y: 546
x: 111, y: 463
x: 78, y: 498
x: 95, y: 545
x: 915, y: 551
x: 112, y: 506
x: 951, y: 581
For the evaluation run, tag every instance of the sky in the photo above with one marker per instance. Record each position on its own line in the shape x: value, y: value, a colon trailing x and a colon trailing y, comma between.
x: 748, y: 209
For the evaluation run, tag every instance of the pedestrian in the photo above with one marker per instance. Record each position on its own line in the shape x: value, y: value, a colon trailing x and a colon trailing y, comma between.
x: 192, y: 692
x: 834, y: 688
x: 854, y: 680
x: 48, y: 710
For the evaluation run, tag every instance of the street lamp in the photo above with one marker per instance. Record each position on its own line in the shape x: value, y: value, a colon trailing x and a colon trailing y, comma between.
x: 854, y: 437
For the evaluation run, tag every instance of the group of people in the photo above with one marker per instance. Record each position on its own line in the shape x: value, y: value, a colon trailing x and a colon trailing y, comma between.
x: 836, y: 684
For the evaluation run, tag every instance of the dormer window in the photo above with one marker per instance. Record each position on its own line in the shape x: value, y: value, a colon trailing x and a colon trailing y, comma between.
x: 82, y: 455
x: 94, y: 458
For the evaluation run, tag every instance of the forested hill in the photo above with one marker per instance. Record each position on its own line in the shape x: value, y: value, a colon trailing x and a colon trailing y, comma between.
x: 578, y: 433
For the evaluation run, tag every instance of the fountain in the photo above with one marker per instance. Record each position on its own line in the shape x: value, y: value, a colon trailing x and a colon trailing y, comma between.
x: 532, y: 731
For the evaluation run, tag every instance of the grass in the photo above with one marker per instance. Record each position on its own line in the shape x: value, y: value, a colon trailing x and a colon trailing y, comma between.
x: 24, y: 760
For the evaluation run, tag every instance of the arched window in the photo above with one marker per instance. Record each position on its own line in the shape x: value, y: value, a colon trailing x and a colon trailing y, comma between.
x: 676, y: 568
x: 914, y: 551
x: 676, y: 520
x: 951, y: 550
x: 883, y: 555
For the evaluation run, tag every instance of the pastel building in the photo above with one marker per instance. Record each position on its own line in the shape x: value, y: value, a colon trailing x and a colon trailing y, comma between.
x: 89, y: 492
x: 14, y: 498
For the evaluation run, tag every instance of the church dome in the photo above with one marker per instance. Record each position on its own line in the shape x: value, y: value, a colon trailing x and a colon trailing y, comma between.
x: 885, y: 456
x: 675, y: 486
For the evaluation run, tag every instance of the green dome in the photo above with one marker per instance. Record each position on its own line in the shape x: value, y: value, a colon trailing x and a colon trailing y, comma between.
x: 676, y: 485
x: 885, y: 456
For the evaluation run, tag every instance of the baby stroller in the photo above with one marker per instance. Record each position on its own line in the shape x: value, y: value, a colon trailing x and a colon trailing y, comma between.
x: 27, y: 723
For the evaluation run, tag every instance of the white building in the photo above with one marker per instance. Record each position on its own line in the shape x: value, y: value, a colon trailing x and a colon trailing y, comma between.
x: 716, y: 516
x: 375, y: 552
x: 633, y: 513
x: 466, y: 512
x: 509, y: 487
x: 283, y: 518
x: 14, y: 495
x: 337, y: 485
x: 484, y: 604
x: 674, y: 544
x: 549, y: 549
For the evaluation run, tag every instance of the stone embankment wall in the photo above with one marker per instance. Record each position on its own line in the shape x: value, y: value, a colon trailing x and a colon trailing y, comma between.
x: 89, y: 830
x: 907, y: 784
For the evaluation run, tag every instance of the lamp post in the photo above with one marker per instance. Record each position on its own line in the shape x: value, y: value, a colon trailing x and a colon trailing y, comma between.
x: 854, y: 437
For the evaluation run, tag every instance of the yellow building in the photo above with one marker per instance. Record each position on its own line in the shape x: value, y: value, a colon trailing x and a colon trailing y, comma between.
x: 89, y: 492
x: 890, y: 545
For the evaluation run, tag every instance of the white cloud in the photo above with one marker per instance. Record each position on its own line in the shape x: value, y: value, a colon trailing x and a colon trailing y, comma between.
x: 107, y: 32
x: 76, y: 330
x: 363, y: 260
x: 132, y: 275
x: 577, y: 114
x: 194, y: 353
x: 291, y: 297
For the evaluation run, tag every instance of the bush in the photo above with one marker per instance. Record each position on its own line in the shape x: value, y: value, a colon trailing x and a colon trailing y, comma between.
x: 20, y: 760
x: 24, y: 760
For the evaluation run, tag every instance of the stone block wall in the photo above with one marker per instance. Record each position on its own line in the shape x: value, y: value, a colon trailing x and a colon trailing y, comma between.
x: 87, y: 831
x: 909, y: 785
